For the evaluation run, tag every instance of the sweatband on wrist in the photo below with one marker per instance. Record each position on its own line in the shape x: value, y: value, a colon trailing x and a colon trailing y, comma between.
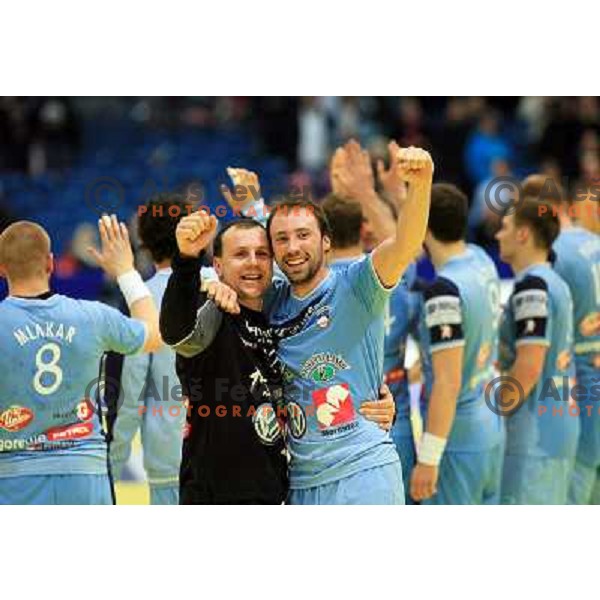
x: 132, y: 287
x: 256, y: 210
x: 431, y: 449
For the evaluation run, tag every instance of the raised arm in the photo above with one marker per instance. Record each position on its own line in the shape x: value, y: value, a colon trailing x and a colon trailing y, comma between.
x: 392, y: 256
x: 351, y: 178
x: 188, y: 321
x: 116, y: 258
x: 412, y: 166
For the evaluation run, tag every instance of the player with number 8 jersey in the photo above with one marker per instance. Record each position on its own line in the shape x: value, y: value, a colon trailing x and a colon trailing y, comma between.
x: 52, y: 448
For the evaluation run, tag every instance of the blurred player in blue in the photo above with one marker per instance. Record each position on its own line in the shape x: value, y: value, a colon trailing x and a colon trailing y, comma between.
x: 578, y: 263
x: 459, y: 459
x: 330, y: 325
x: 536, y: 346
x: 52, y: 448
x: 147, y: 378
x: 346, y: 222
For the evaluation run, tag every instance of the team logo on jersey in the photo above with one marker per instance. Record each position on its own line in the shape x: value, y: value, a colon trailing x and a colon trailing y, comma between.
x: 333, y: 406
x: 323, y: 367
x: 296, y: 419
x: 266, y: 424
x: 85, y: 410
x: 590, y: 325
x: 323, y: 321
x: 15, y: 418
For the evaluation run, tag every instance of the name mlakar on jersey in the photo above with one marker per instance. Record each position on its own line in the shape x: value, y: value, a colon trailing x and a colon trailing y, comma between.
x: 30, y: 333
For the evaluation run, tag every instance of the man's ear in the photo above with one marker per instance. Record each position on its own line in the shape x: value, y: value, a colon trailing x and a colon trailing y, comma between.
x: 218, y: 266
x: 523, y: 234
x: 3, y: 272
x: 50, y: 264
x: 326, y: 243
x: 428, y: 238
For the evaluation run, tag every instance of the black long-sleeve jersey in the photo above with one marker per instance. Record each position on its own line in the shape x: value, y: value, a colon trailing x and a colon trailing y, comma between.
x: 233, y: 447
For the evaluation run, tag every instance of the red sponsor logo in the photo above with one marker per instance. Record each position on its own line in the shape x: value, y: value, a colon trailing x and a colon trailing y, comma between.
x: 70, y: 432
x: 85, y: 410
x: 15, y: 418
x: 333, y: 406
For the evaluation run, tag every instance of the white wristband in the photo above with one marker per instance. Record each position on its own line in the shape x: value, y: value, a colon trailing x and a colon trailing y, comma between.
x: 256, y: 210
x: 132, y: 287
x: 430, y: 449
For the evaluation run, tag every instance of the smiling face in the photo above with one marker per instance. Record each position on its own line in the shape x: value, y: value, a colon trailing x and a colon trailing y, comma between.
x: 298, y: 245
x: 246, y: 263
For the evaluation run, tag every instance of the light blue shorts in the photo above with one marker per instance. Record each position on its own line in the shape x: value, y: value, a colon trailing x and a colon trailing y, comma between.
x: 469, y: 477
x: 380, y: 485
x: 536, y: 480
x: 56, y: 489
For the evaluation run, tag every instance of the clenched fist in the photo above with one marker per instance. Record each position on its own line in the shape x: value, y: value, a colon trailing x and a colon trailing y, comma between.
x: 415, y: 165
x: 195, y: 232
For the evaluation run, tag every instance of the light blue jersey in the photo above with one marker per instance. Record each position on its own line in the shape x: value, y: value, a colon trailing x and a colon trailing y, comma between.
x: 540, y: 311
x: 578, y: 263
x: 462, y: 309
x: 331, y: 343
x: 152, y: 403
x: 51, y: 353
x: 541, y: 437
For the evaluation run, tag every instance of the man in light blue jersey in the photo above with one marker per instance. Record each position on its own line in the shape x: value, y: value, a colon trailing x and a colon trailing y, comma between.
x: 459, y: 459
x: 330, y: 327
x: 151, y: 401
x: 536, y: 345
x: 52, y: 448
x: 346, y: 219
x: 577, y: 261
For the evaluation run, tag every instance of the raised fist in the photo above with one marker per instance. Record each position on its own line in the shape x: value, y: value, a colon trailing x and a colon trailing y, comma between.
x: 415, y: 165
x: 195, y: 232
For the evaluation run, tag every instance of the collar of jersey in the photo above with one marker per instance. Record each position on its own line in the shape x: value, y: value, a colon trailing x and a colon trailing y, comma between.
x: 527, y: 270
x: 313, y: 292
x: 32, y: 301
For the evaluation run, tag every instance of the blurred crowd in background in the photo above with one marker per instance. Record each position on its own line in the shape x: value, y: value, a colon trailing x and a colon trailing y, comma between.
x: 63, y: 160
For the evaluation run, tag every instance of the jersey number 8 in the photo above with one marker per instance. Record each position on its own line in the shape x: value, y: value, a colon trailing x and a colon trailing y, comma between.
x: 50, y: 367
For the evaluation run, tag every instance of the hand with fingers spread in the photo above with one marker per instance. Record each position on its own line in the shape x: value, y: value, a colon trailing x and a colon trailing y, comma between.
x: 391, y: 179
x: 380, y: 411
x: 115, y: 256
x: 224, y: 297
x: 246, y: 189
x: 194, y: 232
x: 423, y: 482
x: 351, y: 173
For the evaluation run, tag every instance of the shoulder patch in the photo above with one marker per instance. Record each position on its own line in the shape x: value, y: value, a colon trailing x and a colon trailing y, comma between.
x: 530, y: 298
x: 442, y: 303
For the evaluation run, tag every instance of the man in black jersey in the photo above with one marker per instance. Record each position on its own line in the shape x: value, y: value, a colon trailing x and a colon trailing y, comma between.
x: 234, y: 447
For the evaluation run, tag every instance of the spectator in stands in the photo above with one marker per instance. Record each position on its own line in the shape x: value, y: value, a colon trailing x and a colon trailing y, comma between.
x: 485, y: 146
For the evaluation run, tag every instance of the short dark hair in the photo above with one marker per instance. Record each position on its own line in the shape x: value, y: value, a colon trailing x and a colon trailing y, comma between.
x: 544, y: 188
x: 290, y: 205
x: 242, y: 223
x: 448, y: 213
x: 543, y: 223
x: 345, y: 218
x: 157, y: 224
